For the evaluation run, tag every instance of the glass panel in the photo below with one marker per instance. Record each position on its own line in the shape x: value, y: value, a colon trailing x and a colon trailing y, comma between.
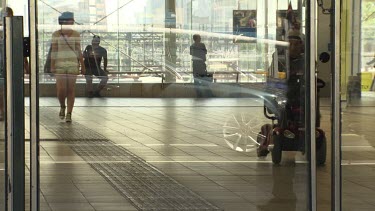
x: 182, y: 122
x: 9, y: 8
x: 20, y: 8
x: 358, y: 92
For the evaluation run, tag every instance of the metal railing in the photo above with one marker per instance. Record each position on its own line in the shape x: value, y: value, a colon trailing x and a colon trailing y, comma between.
x: 218, y: 76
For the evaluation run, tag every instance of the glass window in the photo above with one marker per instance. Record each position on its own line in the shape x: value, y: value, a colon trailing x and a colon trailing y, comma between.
x: 202, y: 100
x: 357, y: 95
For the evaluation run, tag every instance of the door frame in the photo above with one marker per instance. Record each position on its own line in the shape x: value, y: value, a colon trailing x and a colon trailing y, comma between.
x: 336, y: 108
x: 311, y: 26
x: 34, y: 110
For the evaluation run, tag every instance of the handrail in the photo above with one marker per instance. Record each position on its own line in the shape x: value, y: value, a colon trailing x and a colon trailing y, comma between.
x: 139, y: 73
x: 135, y: 72
x: 189, y: 72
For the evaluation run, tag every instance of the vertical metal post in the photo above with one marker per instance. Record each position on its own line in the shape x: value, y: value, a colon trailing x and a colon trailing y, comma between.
x: 129, y: 36
x: 336, y: 109
x: 299, y: 9
x: 310, y: 122
x: 15, y: 115
x: 170, y: 41
x: 3, y: 86
x: 118, y: 44
x: 191, y: 14
x: 266, y: 32
x: 34, y: 111
x: 356, y: 37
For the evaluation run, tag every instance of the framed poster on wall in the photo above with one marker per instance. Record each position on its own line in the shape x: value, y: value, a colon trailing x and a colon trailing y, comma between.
x: 244, y: 24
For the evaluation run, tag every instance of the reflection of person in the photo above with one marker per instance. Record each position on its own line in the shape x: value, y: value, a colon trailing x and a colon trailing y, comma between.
x: 290, y: 16
x: 371, y: 62
x: 93, y: 55
x: 283, y: 181
x: 296, y: 50
x: 252, y: 23
x: 66, y: 57
x: 6, y: 12
x: 198, y: 52
x: 248, y: 20
x: 295, y: 82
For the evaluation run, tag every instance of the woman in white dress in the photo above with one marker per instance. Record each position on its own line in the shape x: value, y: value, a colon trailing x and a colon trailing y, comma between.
x: 66, y: 60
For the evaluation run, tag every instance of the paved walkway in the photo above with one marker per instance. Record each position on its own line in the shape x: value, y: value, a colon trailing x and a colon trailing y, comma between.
x: 189, y: 142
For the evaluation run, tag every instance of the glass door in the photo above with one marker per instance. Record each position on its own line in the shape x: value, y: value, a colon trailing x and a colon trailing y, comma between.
x: 176, y: 104
x: 357, y: 87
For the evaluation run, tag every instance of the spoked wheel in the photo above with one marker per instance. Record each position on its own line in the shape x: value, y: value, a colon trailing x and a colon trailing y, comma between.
x: 240, y: 132
x: 277, y: 149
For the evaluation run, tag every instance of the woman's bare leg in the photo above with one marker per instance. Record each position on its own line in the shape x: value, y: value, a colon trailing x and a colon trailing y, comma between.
x: 71, y: 79
x: 61, y: 88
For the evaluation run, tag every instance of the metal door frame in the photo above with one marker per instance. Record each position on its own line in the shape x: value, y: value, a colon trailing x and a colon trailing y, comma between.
x: 336, y: 109
x: 310, y: 111
x: 15, y: 131
x: 34, y: 110
x: 15, y: 118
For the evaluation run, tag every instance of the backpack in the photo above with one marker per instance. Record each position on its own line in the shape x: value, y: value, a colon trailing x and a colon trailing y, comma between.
x: 47, y: 65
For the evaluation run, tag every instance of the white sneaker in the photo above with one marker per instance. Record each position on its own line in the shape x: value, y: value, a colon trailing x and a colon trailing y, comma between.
x: 62, y: 113
x: 68, y: 117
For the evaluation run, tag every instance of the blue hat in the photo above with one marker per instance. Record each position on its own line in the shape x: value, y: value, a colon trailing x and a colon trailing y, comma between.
x: 66, y: 16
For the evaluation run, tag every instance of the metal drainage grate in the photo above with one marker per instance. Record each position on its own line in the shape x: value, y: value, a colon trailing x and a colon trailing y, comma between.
x: 143, y: 184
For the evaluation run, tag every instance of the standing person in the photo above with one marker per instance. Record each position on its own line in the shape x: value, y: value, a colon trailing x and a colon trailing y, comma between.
x: 66, y: 57
x: 93, y: 55
x: 198, y: 52
x: 296, y: 49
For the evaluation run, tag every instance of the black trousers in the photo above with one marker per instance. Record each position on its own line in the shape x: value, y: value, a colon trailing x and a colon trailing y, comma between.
x: 201, y: 84
x: 101, y: 74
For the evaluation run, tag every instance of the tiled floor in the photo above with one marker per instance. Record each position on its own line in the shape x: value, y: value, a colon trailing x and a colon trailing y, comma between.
x: 184, y: 139
x: 358, y: 168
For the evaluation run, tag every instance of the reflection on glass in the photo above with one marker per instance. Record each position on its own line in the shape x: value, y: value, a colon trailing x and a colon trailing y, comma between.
x: 357, y: 89
x: 133, y: 33
x: 226, y: 150
x: 284, y: 190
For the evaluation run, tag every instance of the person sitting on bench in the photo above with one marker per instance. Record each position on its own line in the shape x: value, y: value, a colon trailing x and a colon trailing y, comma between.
x: 93, y: 55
